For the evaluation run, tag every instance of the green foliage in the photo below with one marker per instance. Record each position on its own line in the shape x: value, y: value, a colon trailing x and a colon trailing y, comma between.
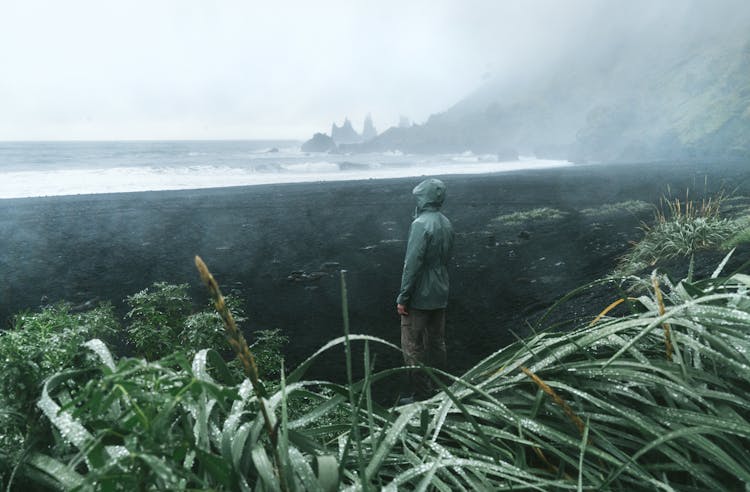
x: 40, y: 344
x: 156, y: 318
x: 267, y: 349
x: 742, y: 237
x: 739, y: 210
x: 655, y: 400
x: 36, y: 347
x: 160, y: 426
x: 680, y: 229
x: 537, y: 214
x: 205, y: 329
x: 167, y: 425
x: 602, y: 407
x: 52, y: 341
x: 634, y: 207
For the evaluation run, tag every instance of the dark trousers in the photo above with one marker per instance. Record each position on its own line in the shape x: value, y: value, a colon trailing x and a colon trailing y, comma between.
x: 423, y: 340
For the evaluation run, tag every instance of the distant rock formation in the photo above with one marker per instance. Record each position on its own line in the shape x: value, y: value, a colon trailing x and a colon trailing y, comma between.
x: 345, y: 134
x: 404, y: 121
x: 319, y: 143
x: 368, y: 131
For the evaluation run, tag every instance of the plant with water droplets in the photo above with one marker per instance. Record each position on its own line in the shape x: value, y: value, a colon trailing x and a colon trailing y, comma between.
x: 599, y: 407
x: 37, y: 346
x: 156, y: 318
x: 681, y: 228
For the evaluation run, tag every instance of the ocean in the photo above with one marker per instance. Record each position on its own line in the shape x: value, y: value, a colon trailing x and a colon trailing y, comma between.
x: 34, y: 169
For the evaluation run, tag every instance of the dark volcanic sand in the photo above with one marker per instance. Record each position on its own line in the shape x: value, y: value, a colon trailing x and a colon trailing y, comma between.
x: 253, y: 238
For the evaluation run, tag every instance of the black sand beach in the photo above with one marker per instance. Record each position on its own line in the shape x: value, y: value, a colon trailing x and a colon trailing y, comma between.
x: 280, y: 247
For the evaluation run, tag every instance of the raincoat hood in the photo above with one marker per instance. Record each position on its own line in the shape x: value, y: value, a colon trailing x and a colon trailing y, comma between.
x: 430, y: 194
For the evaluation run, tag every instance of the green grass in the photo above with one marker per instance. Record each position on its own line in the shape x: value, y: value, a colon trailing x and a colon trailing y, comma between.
x: 652, y: 400
x: 37, y: 346
x: 738, y: 208
x: 534, y: 215
x: 634, y: 207
x: 742, y: 237
x: 681, y: 228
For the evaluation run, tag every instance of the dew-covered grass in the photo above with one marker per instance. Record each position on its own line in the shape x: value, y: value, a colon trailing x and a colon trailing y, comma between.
x: 681, y: 227
x: 533, y: 215
x: 652, y: 395
x: 635, y: 207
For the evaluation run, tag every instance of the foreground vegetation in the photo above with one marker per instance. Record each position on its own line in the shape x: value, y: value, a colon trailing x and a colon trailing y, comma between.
x: 652, y: 399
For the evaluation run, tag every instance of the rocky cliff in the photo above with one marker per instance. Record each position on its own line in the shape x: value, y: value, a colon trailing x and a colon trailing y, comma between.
x: 660, y: 99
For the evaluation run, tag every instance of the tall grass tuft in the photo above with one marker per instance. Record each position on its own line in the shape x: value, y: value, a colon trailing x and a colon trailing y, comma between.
x: 681, y: 227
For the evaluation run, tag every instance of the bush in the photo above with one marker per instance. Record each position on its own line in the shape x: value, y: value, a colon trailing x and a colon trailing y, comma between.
x: 268, y: 352
x: 43, y: 343
x: 156, y: 318
x: 205, y: 329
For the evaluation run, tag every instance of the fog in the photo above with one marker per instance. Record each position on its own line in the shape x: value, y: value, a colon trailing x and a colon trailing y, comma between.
x: 190, y: 69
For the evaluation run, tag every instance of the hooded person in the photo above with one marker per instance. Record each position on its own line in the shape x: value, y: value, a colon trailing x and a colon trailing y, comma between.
x: 423, y: 297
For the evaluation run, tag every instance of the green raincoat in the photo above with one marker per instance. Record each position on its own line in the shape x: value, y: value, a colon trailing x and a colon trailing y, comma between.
x: 424, y: 283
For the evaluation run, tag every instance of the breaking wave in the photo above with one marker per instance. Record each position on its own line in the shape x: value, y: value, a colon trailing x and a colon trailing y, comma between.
x: 33, y: 170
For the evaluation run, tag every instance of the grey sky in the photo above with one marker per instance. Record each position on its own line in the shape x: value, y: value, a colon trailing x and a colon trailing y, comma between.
x: 137, y: 69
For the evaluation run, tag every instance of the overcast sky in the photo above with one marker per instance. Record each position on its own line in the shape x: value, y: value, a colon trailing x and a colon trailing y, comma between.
x: 182, y: 69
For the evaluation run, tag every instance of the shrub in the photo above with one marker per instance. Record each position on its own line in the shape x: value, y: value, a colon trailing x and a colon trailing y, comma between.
x: 205, y: 329
x: 43, y: 343
x: 680, y: 229
x: 156, y: 318
x: 267, y: 348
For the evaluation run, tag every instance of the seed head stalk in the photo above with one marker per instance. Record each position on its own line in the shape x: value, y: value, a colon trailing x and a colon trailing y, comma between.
x: 239, y: 345
x: 556, y: 398
x: 662, y: 310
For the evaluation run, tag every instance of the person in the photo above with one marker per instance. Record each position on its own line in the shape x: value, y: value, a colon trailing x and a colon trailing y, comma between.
x: 423, y: 296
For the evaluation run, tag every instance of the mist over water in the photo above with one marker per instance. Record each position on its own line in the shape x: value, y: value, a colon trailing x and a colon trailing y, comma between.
x: 69, y: 168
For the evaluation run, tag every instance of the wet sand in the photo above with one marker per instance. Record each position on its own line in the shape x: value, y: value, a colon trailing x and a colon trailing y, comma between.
x: 281, y: 247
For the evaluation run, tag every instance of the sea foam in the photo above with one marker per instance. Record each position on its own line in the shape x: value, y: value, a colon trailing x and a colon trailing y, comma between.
x: 95, y: 168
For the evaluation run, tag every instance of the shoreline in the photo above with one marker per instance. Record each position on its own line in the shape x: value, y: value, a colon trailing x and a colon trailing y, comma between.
x: 320, y: 169
x: 280, y: 247
x: 597, y: 168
